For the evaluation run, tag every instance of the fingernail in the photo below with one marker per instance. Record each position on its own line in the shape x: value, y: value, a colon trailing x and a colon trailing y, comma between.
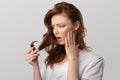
x: 38, y: 53
x: 38, y: 50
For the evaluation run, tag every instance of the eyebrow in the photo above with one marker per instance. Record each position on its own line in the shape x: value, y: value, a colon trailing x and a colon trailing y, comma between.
x: 57, y: 24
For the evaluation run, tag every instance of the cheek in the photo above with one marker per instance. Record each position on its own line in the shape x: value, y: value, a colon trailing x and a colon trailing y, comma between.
x: 64, y: 34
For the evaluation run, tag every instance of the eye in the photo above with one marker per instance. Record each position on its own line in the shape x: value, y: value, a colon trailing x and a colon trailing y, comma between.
x: 61, y: 26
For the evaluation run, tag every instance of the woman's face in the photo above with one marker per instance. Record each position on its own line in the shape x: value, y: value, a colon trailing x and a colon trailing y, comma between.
x: 61, y: 26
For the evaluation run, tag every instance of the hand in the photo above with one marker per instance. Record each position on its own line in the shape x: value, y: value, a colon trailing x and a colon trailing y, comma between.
x: 71, y: 48
x: 31, y: 56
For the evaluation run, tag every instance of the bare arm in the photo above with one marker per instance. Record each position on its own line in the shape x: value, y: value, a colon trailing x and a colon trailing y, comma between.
x: 72, y: 52
x: 73, y: 72
x: 32, y: 58
x: 36, y: 73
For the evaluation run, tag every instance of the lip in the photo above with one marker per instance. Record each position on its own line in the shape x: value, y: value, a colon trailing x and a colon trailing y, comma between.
x: 59, y: 39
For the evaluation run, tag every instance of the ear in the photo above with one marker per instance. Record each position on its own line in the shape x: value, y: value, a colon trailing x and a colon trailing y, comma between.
x: 76, y: 25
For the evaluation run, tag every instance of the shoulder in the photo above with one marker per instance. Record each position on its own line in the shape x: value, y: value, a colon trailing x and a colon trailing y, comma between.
x: 88, y: 56
x: 91, y: 65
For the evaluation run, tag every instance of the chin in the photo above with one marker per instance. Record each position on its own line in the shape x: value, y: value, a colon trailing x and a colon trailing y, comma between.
x: 61, y: 43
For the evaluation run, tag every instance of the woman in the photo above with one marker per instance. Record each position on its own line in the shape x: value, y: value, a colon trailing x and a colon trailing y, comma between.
x: 68, y: 56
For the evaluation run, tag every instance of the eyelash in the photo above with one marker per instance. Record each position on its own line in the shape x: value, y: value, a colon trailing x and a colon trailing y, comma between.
x: 62, y: 26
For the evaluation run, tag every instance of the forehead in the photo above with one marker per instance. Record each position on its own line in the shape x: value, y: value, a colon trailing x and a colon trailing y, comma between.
x: 60, y: 18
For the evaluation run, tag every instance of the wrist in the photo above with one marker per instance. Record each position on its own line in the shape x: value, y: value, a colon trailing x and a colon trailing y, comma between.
x: 36, y: 65
x: 73, y: 60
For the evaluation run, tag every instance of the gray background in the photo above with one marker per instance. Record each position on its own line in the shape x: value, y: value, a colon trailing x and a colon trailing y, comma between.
x: 21, y: 21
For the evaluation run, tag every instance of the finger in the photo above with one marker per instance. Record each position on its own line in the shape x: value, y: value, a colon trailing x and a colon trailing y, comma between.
x: 68, y: 39
x: 66, y: 43
x: 36, y: 55
x: 32, y: 55
x: 30, y: 50
x: 73, y: 37
x: 78, y: 45
x: 30, y: 60
x: 35, y: 51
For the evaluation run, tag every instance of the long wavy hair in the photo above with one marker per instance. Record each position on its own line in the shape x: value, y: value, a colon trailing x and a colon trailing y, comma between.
x: 56, y: 51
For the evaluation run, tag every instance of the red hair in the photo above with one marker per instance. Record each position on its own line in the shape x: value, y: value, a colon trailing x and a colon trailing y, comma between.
x: 56, y: 51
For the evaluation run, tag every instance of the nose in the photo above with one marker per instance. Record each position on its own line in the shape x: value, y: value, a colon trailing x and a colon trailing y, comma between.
x: 55, y: 30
